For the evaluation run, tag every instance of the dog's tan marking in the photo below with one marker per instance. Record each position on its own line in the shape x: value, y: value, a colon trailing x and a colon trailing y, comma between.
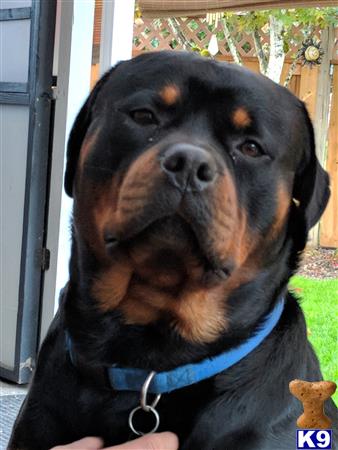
x: 92, y: 208
x: 136, y: 312
x: 150, y: 295
x: 111, y: 205
x: 170, y: 94
x: 200, y: 316
x: 197, y: 315
x: 98, y: 203
x: 161, y: 279
x: 105, y: 206
x: 229, y: 220
x: 241, y: 118
x: 144, y: 304
x: 111, y: 287
x: 283, y: 205
x: 223, y: 203
x: 138, y: 186
x: 150, y: 268
x: 86, y: 147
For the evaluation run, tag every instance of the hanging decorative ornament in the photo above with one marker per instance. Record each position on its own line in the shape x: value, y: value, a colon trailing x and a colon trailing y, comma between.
x: 310, y: 52
x: 218, y: 17
x: 212, y: 19
x: 213, y: 45
x: 138, y: 15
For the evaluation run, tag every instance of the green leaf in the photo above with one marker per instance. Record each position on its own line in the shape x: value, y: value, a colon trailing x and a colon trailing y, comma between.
x: 286, y: 47
x: 205, y: 52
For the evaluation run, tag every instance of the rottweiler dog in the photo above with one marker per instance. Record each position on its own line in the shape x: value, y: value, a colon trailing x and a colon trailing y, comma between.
x: 195, y: 184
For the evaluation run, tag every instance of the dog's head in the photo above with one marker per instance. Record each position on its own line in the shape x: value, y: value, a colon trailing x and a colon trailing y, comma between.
x: 184, y: 173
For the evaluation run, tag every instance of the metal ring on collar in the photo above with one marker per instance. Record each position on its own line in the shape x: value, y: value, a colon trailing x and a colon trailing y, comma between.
x: 150, y: 409
x: 144, y: 393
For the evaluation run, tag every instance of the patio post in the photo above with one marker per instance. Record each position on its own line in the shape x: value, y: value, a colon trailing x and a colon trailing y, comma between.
x: 116, y: 32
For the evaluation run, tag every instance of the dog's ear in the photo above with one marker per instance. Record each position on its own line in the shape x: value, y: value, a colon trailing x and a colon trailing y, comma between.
x: 311, y: 188
x: 78, y: 133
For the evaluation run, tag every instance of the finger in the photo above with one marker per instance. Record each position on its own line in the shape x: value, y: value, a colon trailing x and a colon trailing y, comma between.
x: 88, y: 443
x: 157, y: 441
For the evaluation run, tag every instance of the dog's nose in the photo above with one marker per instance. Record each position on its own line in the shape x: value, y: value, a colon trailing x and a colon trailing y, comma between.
x: 189, y: 167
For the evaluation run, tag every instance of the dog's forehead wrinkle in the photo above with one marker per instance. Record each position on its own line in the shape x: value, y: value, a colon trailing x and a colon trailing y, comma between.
x: 135, y: 75
x: 211, y: 79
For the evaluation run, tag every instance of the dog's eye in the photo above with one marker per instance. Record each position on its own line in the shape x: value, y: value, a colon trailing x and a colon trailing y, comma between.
x: 143, y: 117
x: 251, y: 149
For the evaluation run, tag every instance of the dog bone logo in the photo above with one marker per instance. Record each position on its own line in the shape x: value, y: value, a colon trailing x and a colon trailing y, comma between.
x: 313, y: 396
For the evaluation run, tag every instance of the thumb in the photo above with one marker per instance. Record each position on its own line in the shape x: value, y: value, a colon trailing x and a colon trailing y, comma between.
x: 157, y: 441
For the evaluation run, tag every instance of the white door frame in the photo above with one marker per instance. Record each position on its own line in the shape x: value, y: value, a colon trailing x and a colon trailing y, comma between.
x: 75, y: 21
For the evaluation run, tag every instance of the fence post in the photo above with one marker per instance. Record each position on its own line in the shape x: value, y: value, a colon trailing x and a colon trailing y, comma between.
x: 321, y: 121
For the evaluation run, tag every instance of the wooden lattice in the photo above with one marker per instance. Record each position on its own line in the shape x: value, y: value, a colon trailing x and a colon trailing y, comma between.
x: 157, y: 34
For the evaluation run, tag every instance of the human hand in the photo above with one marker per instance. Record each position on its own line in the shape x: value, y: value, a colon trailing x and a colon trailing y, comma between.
x: 157, y: 441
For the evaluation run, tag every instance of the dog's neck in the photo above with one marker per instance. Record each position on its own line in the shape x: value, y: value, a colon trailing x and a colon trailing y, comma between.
x: 103, y: 336
x: 132, y: 379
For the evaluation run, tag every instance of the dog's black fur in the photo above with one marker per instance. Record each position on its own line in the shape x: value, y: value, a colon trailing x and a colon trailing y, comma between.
x: 150, y: 237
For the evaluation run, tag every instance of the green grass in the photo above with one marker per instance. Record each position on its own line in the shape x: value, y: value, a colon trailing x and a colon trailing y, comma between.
x: 319, y: 300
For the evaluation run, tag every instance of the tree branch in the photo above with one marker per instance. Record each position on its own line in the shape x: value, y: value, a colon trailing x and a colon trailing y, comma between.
x: 232, y: 44
x: 179, y: 35
x: 262, y: 59
x: 291, y: 71
x: 277, y: 55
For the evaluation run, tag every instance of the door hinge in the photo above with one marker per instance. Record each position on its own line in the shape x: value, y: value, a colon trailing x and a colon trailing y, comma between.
x: 45, y: 259
x: 28, y: 364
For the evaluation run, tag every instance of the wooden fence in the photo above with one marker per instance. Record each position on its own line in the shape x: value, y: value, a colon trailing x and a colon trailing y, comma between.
x: 329, y: 223
x: 166, y: 34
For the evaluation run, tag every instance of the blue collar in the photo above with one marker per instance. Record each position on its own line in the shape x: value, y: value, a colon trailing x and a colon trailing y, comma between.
x: 130, y: 379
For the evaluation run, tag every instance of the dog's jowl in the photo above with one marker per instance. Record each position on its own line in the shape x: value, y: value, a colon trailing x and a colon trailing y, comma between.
x: 195, y: 184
